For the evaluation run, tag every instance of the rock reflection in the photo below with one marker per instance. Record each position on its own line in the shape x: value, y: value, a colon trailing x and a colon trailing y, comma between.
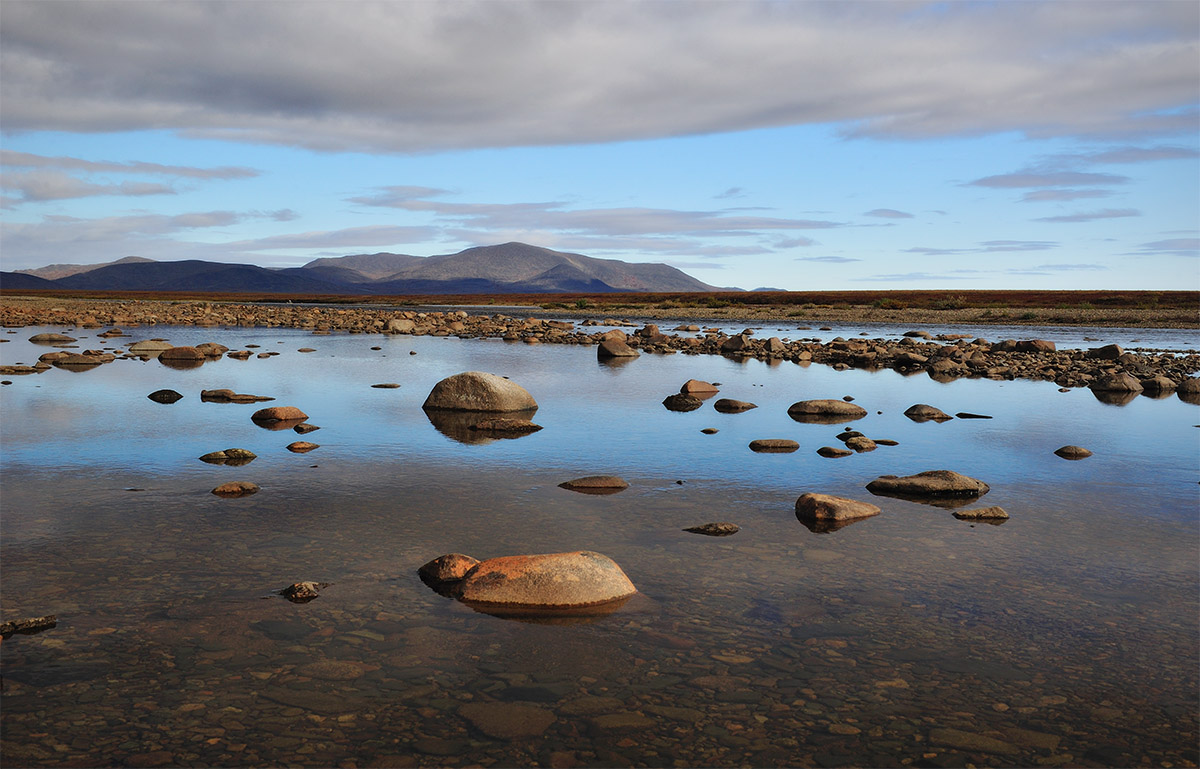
x: 460, y: 425
x: 181, y: 364
x: 827, y: 526
x: 1115, y: 398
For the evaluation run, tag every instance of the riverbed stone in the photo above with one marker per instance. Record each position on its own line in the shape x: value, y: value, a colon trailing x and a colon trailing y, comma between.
x: 596, y: 484
x: 1120, y: 382
x: 923, y: 412
x: 507, y: 720
x: 615, y: 348
x: 721, y: 529
x: 479, y: 391
x: 774, y: 446
x: 506, y: 427
x: 993, y: 513
x: 731, y: 406
x: 234, y: 489
x: 185, y: 353
x: 302, y: 447
x: 574, y: 582
x: 682, y: 402
x: 451, y: 567
x: 165, y: 396
x: 1073, y: 452
x: 834, y: 453
x: 826, y: 410
x: 826, y: 507
x: 697, y: 387
x: 278, y: 414
x: 931, y: 483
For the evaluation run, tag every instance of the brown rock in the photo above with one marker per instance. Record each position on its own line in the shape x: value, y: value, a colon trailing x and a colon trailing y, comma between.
x: 715, y: 529
x: 825, y: 411
x: 596, y: 484
x: 451, y: 567
x: 302, y: 447
x: 982, y: 514
x: 181, y: 353
x: 278, y: 414
x: 682, y: 402
x: 236, y: 489
x: 580, y: 582
x: 507, y: 720
x: 696, y: 387
x: 1073, y: 452
x: 931, y: 483
x: 164, y: 396
x: 826, y: 507
x: 1119, y: 383
x: 922, y: 412
x: 1036, y: 345
x: 834, y: 453
x: 774, y: 446
x: 479, y: 391
x: 506, y: 427
x: 615, y: 348
x: 730, y: 406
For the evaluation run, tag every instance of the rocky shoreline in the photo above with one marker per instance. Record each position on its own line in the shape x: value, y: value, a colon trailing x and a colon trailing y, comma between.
x: 1114, y: 374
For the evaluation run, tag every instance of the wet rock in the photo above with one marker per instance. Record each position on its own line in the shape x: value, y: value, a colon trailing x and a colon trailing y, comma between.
x: 1158, y: 384
x: 451, y: 567
x: 399, y: 326
x: 730, y: 406
x: 834, y: 453
x: 826, y: 507
x: 710, y: 431
x: 774, y: 446
x: 1107, y: 352
x: 49, y: 338
x: 333, y: 670
x: 615, y: 348
x: 303, y: 592
x: 1036, y: 345
x: 969, y: 415
x: 1121, y: 382
x: 715, y: 529
x: 28, y: 625
x: 1073, y: 452
x: 386, y: 386
x: 184, y: 353
x: 580, y: 582
x: 275, y: 414
x: 929, y: 484
x: 825, y: 411
x: 697, y: 387
x: 479, y: 391
x: 236, y: 489
x: 304, y: 428
x: 164, y: 396
x: 507, y: 720
x: 302, y: 447
x: 860, y: 444
x: 149, y: 347
x: 229, y: 457
x: 922, y: 412
x: 735, y: 344
x: 506, y: 428
x: 682, y: 402
x: 982, y: 514
x: 229, y: 396
x: 596, y: 484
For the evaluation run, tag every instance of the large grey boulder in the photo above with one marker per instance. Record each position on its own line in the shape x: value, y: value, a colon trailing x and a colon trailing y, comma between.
x: 580, y: 582
x: 479, y: 391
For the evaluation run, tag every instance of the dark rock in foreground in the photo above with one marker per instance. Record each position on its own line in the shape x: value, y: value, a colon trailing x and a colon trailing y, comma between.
x: 715, y: 529
x: 164, y: 396
x: 929, y: 484
x: 730, y: 406
x: 28, y: 625
x: 922, y: 412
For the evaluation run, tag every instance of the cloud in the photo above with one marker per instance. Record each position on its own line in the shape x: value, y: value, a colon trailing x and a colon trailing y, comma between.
x: 15, y: 159
x: 1091, y: 216
x: 888, y: 213
x: 915, y: 277
x: 732, y: 192
x: 1052, y: 179
x: 1172, y: 247
x: 987, y: 247
x: 54, y: 185
x: 827, y: 259
x: 1043, y: 196
x: 793, y: 243
x: 351, y: 237
x: 415, y: 77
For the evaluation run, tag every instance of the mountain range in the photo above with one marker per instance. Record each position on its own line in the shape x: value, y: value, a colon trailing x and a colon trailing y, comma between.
x: 508, y: 268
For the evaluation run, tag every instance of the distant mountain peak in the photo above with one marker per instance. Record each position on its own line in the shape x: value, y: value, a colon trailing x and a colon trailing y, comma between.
x: 56, y: 271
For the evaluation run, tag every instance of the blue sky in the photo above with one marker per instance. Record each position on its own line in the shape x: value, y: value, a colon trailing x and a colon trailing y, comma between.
x: 802, y: 146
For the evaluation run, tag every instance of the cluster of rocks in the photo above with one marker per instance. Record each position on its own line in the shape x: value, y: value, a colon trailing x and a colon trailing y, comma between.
x: 1107, y: 370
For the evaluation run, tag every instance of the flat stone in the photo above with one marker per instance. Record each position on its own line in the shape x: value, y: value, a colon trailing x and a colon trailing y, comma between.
x: 596, y: 484
x: 931, y: 483
x: 833, y: 453
x: 982, y: 514
x: 730, y: 406
x: 826, y: 507
x: 715, y: 529
x: 774, y: 446
x: 236, y: 489
x: 316, y: 701
x: 553, y: 582
x: 302, y: 447
x: 695, y: 386
x: 507, y: 720
x: 923, y: 412
x: 165, y: 396
x: 278, y: 414
x: 825, y: 411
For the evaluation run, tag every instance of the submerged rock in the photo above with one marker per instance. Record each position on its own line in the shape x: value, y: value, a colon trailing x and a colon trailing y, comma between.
x: 49, y: 338
x: 922, y: 412
x: 596, y: 484
x: 730, y: 406
x: 826, y: 507
x: 982, y: 514
x: 682, y: 402
x: 236, y: 489
x: 715, y: 529
x: 479, y: 391
x: 1073, y: 452
x: 929, y: 484
x: 506, y: 428
x: 581, y: 582
x: 825, y: 411
x: 774, y: 446
x: 229, y: 457
x: 164, y: 396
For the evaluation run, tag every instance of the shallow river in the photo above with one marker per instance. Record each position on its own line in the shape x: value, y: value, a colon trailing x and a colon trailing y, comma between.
x: 1068, y: 636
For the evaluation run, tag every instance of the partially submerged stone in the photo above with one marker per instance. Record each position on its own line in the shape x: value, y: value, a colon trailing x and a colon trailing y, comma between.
x: 273, y: 415
x: 833, y: 453
x: 615, y: 348
x: 923, y: 412
x: 697, y: 387
x: 302, y: 447
x: 229, y: 457
x: 1120, y: 382
x: 164, y: 396
x: 28, y: 625
x: 451, y: 567
x: 730, y: 406
x: 236, y: 489
x: 826, y: 507
x: 581, y: 582
x: 225, y: 395
x: 184, y: 353
x: 721, y: 529
x: 479, y: 391
x: 303, y: 592
x: 1073, y: 452
x: 931, y: 484
x: 682, y: 402
x: 596, y: 484
x: 825, y: 411
x: 986, y: 514
x: 774, y: 446
x: 386, y: 385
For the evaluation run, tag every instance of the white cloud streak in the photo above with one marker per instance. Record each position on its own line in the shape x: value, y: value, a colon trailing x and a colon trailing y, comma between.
x: 415, y: 77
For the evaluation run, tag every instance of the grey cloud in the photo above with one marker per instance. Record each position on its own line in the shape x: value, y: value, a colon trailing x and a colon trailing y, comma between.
x: 54, y: 185
x: 1070, y: 267
x: 827, y: 259
x: 1124, y: 154
x: 1043, y: 196
x: 371, y: 235
x: 1050, y: 179
x: 732, y: 192
x: 15, y: 159
x: 888, y: 213
x: 987, y: 246
x: 1173, y: 247
x: 476, y: 74
x: 794, y: 243
x: 1091, y: 216
x: 913, y: 277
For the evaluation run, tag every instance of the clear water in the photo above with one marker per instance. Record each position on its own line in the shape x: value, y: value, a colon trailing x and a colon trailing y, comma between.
x: 1067, y: 636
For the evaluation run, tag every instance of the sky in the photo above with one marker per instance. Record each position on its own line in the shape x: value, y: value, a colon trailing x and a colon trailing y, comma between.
x: 751, y: 143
